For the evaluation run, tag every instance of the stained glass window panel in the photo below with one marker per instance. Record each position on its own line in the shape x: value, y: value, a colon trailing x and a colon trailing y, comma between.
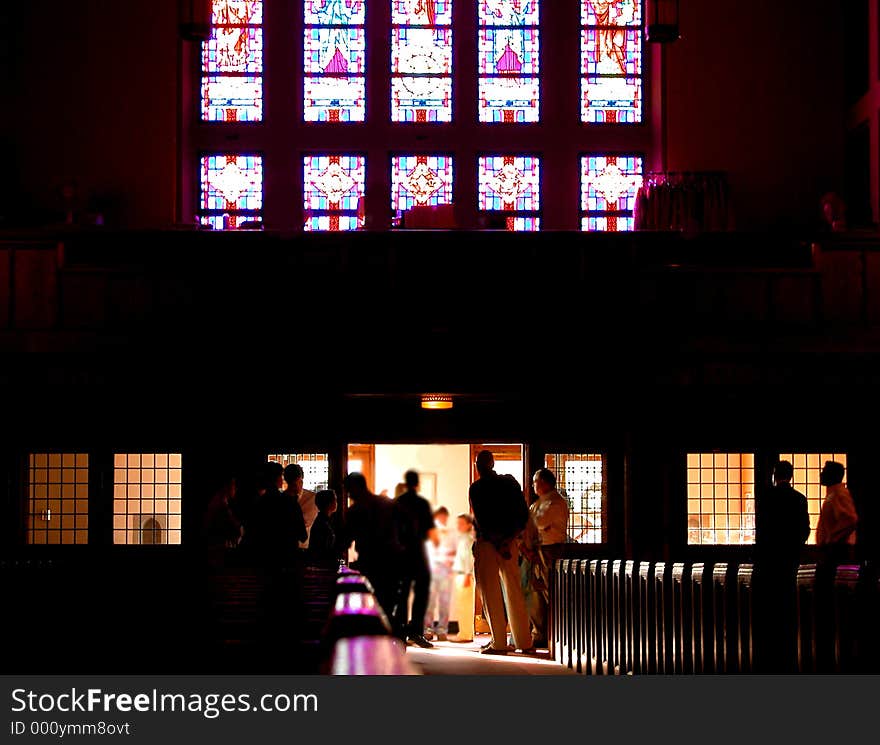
x: 611, y: 61
x: 333, y: 190
x: 510, y: 183
x: 334, y: 61
x: 334, y: 51
x: 508, y: 51
x: 508, y: 60
x: 609, y: 184
x: 231, y: 190
x: 232, y: 98
x: 421, y: 60
x: 510, y: 100
x: 721, y: 498
x: 418, y: 180
x: 232, y: 63
x: 421, y: 12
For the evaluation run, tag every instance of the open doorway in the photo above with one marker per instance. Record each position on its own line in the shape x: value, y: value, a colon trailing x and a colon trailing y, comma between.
x: 446, y: 470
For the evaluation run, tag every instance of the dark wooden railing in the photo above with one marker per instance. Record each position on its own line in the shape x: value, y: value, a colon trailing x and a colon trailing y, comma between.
x: 615, y: 617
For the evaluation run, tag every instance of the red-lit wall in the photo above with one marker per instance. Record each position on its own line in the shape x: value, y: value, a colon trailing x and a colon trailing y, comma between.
x: 756, y: 89
x: 753, y: 89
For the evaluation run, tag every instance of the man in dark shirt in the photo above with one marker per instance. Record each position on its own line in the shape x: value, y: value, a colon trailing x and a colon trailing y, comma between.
x: 278, y: 522
x: 782, y: 526
x: 370, y: 525
x: 500, y: 514
x: 414, y: 520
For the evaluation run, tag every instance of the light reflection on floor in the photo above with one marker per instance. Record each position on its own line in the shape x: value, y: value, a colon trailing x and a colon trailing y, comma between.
x: 464, y: 658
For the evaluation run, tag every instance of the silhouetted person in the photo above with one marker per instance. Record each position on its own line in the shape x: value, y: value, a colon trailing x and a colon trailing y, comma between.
x: 414, y: 521
x: 370, y: 525
x: 323, y: 546
x: 782, y: 526
x: 500, y: 514
x: 221, y: 528
x: 295, y: 476
x: 277, y: 529
x: 836, y: 532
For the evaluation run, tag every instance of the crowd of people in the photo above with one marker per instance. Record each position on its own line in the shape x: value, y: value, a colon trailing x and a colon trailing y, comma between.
x: 420, y: 566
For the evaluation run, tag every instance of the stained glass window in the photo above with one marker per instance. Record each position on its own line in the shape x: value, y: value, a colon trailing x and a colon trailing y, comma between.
x: 511, y: 184
x: 421, y: 60
x: 611, y: 61
x: 232, y: 63
x: 333, y: 191
x: 807, y: 467
x: 334, y: 51
x: 58, y: 498
x: 508, y: 59
x: 147, y: 498
x: 232, y: 190
x: 609, y: 184
x: 721, y: 498
x: 418, y: 180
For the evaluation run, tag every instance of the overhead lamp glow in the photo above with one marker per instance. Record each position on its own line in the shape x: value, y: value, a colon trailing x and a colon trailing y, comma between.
x: 436, y: 401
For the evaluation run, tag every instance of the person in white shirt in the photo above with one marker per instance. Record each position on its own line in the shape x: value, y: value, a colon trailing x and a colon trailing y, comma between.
x: 463, y: 569
x: 545, y: 535
x: 441, y: 553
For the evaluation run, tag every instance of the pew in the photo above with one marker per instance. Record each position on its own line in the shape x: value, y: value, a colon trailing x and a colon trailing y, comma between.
x: 631, y: 657
x: 647, y: 620
x: 370, y: 655
x: 682, y: 619
x: 702, y: 632
x: 582, y: 631
x: 745, y: 619
x: 356, y: 614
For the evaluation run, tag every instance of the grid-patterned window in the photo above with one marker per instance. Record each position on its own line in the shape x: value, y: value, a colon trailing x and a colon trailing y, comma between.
x: 609, y: 185
x: 333, y: 191
x: 580, y: 478
x: 508, y: 61
x: 807, y: 467
x: 232, y: 63
x: 232, y: 190
x: 611, y: 61
x: 721, y: 501
x: 316, y: 467
x: 58, y: 498
x: 421, y: 60
x: 511, y: 184
x: 418, y: 180
x: 146, y: 498
x: 334, y: 61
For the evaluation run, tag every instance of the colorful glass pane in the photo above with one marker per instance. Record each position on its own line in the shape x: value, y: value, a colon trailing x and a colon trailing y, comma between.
x: 510, y: 100
x: 334, y: 12
x: 609, y: 184
x: 421, y: 60
x: 507, y: 51
x: 509, y: 183
x: 334, y: 61
x: 508, y: 60
x: 508, y: 12
x: 334, y: 51
x: 333, y: 190
x: 231, y: 189
x: 226, y: 98
x: 418, y: 180
x: 421, y: 12
x: 232, y: 63
x: 611, y: 61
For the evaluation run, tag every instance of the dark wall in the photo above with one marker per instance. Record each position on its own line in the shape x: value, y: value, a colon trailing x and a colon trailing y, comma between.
x: 755, y: 91
x: 99, y: 83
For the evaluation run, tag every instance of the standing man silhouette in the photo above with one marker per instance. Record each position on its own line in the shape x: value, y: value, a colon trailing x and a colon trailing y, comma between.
x: 500, y: 514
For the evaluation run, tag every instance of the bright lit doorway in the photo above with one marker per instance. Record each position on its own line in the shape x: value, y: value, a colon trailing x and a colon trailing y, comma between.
x: 446, y: 470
